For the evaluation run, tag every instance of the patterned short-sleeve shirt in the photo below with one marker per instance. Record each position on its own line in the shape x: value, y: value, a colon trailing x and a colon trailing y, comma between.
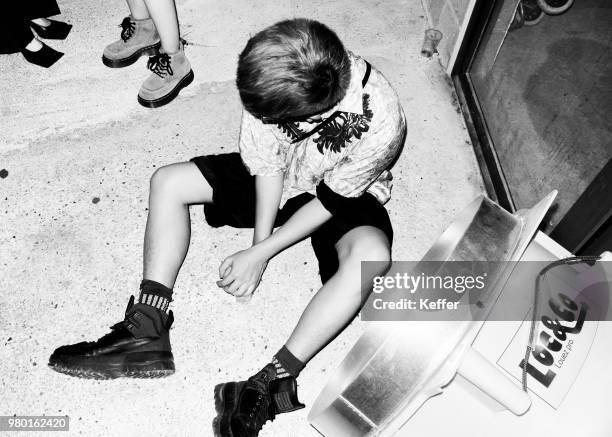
x: 350, y: 150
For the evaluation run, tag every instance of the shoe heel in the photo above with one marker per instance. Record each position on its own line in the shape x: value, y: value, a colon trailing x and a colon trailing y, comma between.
x: 188, y: 79
x: 218, y: 394
x: 223, y: 407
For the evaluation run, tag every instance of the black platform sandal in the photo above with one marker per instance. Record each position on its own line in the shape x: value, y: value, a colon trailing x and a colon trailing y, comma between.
x: 55, y: 30
x: 44, y: 57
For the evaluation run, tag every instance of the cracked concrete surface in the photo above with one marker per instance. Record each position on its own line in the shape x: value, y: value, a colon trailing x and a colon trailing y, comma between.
x: 78, y: 151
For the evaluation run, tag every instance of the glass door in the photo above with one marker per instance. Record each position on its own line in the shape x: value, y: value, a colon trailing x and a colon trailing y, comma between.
x: 538, y: 86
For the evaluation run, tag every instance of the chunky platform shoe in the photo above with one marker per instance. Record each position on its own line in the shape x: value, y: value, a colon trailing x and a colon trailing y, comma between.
x: 138, y: 38
x: 137, y: 347
x: 244, y: 407
x: 171, y: 73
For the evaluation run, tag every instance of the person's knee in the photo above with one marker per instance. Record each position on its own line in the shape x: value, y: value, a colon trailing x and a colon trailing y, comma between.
x: 180, y: 183
x: 378, y: 251
x: 371, y: 245
x: 164, y: 181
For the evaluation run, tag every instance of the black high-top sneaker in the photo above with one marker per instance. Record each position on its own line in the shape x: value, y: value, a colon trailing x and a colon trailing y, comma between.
x: 244, y: 407
x: 137, y: 347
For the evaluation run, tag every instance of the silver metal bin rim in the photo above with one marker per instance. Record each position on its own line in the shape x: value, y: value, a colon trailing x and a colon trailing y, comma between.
x: 396, y: 366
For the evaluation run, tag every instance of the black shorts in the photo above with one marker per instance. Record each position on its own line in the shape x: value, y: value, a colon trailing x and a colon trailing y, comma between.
x: 234, y: 205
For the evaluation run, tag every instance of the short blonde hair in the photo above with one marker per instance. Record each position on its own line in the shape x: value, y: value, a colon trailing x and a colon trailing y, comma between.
x: 293, y: 68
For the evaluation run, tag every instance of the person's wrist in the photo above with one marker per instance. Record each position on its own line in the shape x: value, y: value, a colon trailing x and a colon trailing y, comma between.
x: 256, y: 241
x: 258, y: 237
x: 259, y: 252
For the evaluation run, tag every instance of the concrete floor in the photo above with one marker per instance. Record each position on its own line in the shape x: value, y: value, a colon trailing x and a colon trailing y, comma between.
x: 79, y: 151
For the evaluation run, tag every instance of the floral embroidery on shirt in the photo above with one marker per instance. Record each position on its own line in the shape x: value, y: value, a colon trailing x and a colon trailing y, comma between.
x: 343, y: 128
x: 291, y: 129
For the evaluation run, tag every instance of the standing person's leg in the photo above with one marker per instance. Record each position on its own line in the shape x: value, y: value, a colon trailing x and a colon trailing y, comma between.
x: 139, y: 37
x: 164, y: 16
x: 163, y: 13
x: 138, y: 9
x: 171, y: 68
x: 152, y: 24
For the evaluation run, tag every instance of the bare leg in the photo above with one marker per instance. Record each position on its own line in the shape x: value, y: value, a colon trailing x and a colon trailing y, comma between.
x: 163, y: 13
x: 138, y: 9
x: 339, y: 300
x: 173, y: 189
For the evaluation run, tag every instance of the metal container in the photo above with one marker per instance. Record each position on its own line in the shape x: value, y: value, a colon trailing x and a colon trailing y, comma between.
x: 396, y: 366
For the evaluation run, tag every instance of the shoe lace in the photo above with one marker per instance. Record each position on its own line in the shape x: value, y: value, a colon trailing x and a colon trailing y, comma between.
x: 261, y: 411
x: 127, y: 28
x: 160, y: 64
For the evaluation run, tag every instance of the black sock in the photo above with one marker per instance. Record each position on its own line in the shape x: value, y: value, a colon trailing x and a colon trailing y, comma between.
x: 155, y: 294
x: 286, y: 364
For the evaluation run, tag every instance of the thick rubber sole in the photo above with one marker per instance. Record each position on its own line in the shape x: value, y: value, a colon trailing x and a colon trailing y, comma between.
x: 134, y: 365
x: 124, y: 62
x: 225, y: 403
x: 170, y: 96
